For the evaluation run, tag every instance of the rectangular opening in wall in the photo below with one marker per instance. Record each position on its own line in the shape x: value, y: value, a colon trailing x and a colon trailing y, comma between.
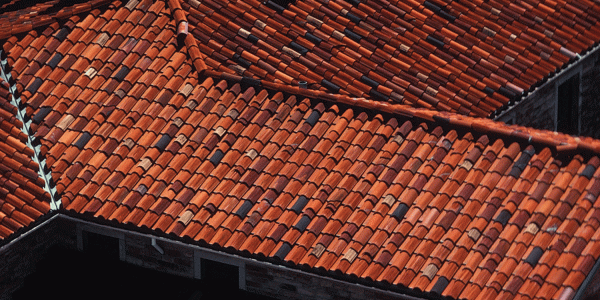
x: 220, y: 277
x: 100, y: 245
x: 568, y: 106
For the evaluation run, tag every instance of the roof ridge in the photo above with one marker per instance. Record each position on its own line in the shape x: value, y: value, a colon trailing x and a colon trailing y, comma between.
x: 183, y: 36
x: 19, y: 25
x: 558, y: 142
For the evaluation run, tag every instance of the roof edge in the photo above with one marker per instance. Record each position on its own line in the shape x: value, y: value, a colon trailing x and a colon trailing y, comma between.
x: 576, y: 58
x: 402, y: 291
x: 184, y: 38
x: 587, y: 281
x: 27, y: 230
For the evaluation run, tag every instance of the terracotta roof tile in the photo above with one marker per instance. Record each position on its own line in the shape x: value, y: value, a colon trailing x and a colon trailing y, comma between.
x: 425, y: 36
x: 23, y: 197
x: 190, y: 118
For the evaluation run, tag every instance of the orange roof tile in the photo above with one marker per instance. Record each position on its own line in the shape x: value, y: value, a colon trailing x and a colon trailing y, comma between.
x: 143, y: 125
x: 21, y: 16
x: 23, y: 198
x: 446, y: 55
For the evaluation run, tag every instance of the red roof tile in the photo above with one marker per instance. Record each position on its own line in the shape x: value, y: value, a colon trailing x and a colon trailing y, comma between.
x: 21, y: 16
x: 450, y: 56
x: 23, y: 198
x: 146, y: 125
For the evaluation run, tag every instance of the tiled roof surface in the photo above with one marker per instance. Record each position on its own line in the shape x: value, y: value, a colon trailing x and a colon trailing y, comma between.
x: 432, y: 201
x: 21, y: 16
x: 22, y: 195
x: 471, y: 57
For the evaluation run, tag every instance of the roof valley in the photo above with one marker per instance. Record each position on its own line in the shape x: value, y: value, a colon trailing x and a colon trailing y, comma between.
x: 32, y: 143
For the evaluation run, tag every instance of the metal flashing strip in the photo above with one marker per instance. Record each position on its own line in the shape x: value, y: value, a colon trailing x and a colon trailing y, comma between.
x: 43, y: 171
x: 7, y: 246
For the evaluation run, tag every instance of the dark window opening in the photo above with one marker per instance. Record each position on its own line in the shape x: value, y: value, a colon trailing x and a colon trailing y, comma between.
x: 219, y: 277
x: 67, y: 274
x: 568, y: 106
x: 101, y: 245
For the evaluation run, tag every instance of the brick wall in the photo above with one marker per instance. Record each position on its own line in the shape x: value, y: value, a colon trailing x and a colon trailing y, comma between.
x: 284, y: 283
x: 255, y: 277
x: 18, y: 259
x: 538, y: 109
x: 175, y: 260
x: 590, y: 96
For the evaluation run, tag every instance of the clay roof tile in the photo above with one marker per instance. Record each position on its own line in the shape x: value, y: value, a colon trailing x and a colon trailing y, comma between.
x: 211, y: 135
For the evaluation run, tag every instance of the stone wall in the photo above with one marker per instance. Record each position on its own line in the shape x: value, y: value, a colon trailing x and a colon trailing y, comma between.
x: 539, y: 109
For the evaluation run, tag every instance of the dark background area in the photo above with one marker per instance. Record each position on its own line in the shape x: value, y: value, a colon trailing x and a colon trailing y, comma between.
x: 67, y: 274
